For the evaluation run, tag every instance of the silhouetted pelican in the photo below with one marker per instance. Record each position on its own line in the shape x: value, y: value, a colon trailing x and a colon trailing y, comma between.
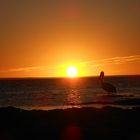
x: 107, y: 86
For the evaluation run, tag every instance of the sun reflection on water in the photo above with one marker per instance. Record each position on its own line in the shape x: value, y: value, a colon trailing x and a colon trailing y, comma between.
x: 73, y: 97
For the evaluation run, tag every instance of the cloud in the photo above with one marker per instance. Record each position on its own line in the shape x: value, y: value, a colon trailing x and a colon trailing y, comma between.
x: 112, y: 61
x: 28, y: 69
x: 91, y: 63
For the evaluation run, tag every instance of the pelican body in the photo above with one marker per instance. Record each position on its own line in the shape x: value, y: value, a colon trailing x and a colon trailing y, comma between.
x: 107, y: 86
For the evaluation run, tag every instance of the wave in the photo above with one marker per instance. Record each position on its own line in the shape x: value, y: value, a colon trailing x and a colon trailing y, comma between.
x: 134, y: 101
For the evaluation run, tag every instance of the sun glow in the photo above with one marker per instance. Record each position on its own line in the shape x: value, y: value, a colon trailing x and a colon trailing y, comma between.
x: 72, y: 71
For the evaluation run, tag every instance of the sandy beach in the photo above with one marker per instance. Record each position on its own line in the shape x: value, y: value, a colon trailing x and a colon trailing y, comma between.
x: 70, y: 124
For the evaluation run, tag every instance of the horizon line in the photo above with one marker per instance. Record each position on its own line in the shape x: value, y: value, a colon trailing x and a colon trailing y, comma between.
x: 55, y: 77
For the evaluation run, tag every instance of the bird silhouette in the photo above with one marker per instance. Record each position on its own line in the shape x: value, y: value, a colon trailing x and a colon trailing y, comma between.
x: 107, y: 86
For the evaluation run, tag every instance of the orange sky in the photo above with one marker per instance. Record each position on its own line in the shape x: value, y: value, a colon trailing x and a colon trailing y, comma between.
x: 42, y: 38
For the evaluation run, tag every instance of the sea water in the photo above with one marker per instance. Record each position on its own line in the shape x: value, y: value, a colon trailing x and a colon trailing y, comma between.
x: 61, y: 93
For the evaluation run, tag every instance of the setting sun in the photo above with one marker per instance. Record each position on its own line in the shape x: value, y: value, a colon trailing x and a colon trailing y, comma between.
x: 72, y: 71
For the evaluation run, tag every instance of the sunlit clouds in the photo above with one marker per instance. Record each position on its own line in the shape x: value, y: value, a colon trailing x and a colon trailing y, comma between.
x: 114, y: 61
x: 60, y: 70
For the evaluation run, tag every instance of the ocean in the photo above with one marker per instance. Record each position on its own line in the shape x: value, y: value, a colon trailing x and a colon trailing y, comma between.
x: 62, y: 93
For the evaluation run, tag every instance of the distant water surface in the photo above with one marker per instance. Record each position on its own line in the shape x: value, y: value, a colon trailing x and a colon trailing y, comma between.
x: 54, y: 93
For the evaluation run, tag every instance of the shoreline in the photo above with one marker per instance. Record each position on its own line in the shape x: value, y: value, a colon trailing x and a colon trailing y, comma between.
x: 129, y: 103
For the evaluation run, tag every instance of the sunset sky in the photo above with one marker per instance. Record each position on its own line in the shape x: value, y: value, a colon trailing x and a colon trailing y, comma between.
x: 42, y: 38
